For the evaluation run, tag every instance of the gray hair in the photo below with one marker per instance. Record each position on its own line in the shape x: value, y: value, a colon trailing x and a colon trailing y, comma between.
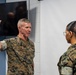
x: 23, y: 20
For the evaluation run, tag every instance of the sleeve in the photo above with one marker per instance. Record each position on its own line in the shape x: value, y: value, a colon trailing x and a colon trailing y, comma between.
x: 66, y: 71
x: 3, y: 45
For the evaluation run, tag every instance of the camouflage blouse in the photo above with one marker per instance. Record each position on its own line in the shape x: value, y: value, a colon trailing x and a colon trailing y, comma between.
x: 68, y: 59
x: 20, y: 56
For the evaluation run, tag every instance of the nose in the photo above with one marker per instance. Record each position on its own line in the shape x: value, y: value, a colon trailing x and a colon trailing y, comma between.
x: 29, y: 29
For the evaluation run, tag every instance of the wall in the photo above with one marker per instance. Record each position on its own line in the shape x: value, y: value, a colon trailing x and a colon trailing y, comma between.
x: 54, y: 16
x: 34, y: 16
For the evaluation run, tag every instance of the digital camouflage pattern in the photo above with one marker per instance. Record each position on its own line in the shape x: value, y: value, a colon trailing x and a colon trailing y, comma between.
x: 20, y: 56
x: 68, y: 59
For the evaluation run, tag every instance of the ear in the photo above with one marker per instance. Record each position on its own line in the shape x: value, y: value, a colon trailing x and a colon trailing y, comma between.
x: 70, y: 33
x: 19, y: 27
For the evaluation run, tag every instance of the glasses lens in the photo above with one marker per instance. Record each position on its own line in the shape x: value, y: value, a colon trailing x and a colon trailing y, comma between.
x: 64, y: 33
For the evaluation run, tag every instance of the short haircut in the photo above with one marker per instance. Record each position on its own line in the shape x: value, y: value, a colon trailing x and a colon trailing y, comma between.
x: 22, y: 20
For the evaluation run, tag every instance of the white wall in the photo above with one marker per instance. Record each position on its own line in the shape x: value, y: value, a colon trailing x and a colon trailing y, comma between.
x: 55, y: 15
x: 34, y: 16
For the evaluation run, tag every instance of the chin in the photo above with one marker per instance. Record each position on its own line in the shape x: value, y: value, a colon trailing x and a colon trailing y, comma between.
x: 68, y: 42
x: 26, y: 36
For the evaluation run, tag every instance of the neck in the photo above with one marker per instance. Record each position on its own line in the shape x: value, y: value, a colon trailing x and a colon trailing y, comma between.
x: 22, y: 37
x: 73, y: 40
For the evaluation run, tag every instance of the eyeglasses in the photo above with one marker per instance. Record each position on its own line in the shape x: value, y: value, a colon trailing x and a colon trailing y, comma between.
x: 64, y: 33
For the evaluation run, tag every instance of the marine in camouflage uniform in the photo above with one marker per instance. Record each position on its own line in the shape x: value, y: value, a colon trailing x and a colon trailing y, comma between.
x: 68, y: 60
x: 20, y: 56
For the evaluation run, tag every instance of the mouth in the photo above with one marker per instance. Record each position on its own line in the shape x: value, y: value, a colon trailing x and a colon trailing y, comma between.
x: 28, y: 33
